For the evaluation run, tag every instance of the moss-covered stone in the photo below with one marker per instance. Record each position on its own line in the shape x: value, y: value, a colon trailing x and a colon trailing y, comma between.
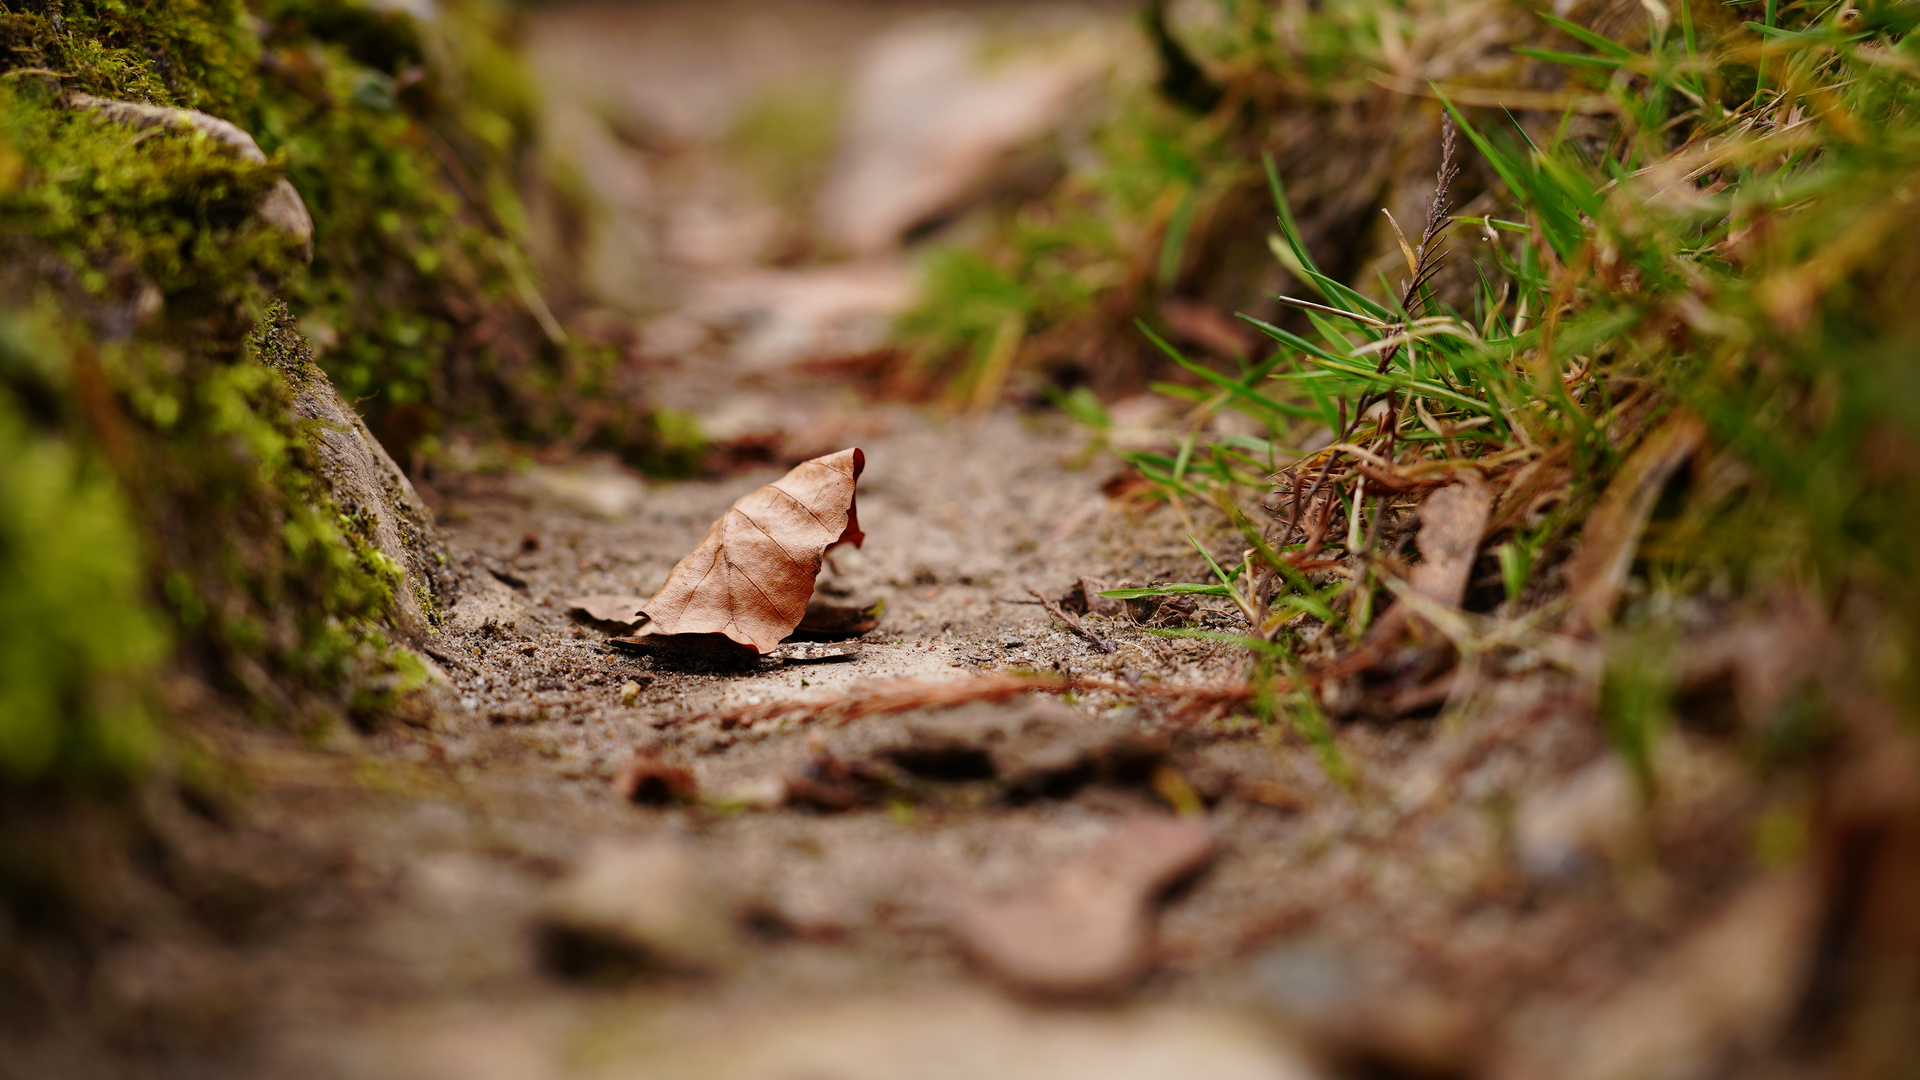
x: 405, y: 140
x: 177, y: 466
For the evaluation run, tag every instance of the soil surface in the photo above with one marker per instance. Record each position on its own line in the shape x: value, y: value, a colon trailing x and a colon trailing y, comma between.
x: 789, y: 896
x: 593, y: 863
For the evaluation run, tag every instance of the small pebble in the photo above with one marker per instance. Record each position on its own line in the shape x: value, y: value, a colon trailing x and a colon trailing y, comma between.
x: 1010, y: 641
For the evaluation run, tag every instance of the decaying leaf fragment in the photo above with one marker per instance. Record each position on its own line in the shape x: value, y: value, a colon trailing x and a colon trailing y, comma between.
x: 621, y: 611
x: 750, y: 579
x: 1599, y: 569
x: 1452, y: 523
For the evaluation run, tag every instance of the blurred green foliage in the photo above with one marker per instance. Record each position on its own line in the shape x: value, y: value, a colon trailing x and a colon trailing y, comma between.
x: 80, y: 637
x: 1062, y: 275
x: 404, y: 139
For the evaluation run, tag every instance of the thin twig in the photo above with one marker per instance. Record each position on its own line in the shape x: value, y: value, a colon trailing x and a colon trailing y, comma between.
x: 1053, y: 608
x: 888, y: 698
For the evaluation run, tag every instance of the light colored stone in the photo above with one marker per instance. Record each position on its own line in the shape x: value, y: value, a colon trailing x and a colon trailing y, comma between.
x: 923, y: 1034
x: 651, y: 895
x: 366, y: 483
x: 960, y: 1037
x: 1086, y: 929
x: 281, y: 208
x: 601, y: 492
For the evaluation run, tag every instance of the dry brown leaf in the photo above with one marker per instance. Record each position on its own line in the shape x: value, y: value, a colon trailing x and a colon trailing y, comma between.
x: 1598, y: 570
x: 1088, y: 928
x: 750, y: 579
x: 1084, y: 598
x: 1453, y: 521
x: 618, y: 610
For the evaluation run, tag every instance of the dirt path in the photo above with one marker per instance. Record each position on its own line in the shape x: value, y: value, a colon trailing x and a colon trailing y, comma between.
x: 480, y: 901
x: 801, y: 897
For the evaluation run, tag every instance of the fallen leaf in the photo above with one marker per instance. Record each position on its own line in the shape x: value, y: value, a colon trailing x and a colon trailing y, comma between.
x: 1452, y: 522
x: 1599, y: 568
x: 1392, y: 680
x: 1162, y: 611
x: 750, y: 579
x: 1086, y: 929
x: 617, y: 610
x: 1084, y: 598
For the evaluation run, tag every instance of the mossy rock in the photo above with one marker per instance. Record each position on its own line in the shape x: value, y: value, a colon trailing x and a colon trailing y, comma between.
x: 363, y: 480
x: 153, y: 165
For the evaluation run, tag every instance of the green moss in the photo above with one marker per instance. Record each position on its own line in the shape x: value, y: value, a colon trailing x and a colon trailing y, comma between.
x: 168, y: 207
x: 407, y: 179
x: 670, y: 444
x: 403, y: 138
x: 195, y: 54
x: 83, y: 639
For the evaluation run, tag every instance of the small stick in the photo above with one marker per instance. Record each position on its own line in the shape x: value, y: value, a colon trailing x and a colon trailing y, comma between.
x: 1074, y: 624
x: 852, y: 703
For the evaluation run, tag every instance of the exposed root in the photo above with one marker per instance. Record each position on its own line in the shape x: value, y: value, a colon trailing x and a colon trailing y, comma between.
x: 890, y: 697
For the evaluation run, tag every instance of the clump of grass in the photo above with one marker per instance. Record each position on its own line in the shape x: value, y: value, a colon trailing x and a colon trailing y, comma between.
x: 1060, y: 280
x: 1715, y: 247
x: 1165, y: 206
x: 1700, y: 219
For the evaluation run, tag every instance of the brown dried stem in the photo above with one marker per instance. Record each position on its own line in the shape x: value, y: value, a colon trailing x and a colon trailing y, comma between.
x: 887, y: 698
x: 1425, y: 259
x: 1072, y: 623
